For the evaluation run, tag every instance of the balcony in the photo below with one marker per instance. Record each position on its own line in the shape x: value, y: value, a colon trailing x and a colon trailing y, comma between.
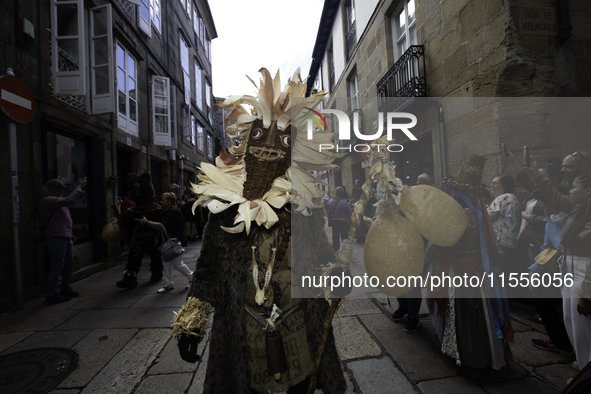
x: 405, y: 79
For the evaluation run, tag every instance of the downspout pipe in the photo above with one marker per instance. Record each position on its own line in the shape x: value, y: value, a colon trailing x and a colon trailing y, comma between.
x: 441, y: 134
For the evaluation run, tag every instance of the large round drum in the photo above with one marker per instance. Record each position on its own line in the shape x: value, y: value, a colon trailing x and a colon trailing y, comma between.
x: 394, y: 248
x: 437, y: 216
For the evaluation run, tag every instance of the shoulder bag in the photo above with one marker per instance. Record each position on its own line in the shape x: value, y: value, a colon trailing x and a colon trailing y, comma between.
x: 171, y: 248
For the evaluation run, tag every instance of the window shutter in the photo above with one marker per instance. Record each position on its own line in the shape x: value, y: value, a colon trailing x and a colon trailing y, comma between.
x: 68, y: 48
x: 144, y: 17
x: 161, y: 111
x: 101, y: 59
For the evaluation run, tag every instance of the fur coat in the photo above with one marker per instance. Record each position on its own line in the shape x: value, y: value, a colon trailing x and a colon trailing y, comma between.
x: 220, y: 279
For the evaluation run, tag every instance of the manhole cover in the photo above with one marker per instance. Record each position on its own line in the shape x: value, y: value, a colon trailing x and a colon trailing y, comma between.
x: 35, y: 371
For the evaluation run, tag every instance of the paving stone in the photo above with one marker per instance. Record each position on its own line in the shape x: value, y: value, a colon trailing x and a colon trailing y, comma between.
x: 556, y: 375
x: 457, y: 385
x: 520, y: 327
x: 94, y: 352
x: 173, y: 299
x: 126, y: 369
x: 112, y: 301
x: 527, y: 385
x: 121, y: 318
x: 358, y: 306
x: 379, y: 322
x: 7, y: 339
x: 352, y: 340
x: 524, y: 351
x: 379, y: 376
x: 40, y: 320
x: 65, y: 339
x: 169, y: 361
x: 67, y: 391
x: 417, y: 359
x: 158, y: 384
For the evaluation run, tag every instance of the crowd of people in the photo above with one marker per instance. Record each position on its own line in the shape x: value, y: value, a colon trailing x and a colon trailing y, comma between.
x: 142, y: 217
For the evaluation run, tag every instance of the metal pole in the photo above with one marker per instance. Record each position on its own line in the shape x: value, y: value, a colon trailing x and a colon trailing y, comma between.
x: 20, y: 299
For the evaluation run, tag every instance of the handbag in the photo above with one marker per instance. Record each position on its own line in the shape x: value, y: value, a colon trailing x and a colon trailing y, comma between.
x: 171, y: 248
x: 549, y: 259
x: 530, y: 237
x: 36, y: 230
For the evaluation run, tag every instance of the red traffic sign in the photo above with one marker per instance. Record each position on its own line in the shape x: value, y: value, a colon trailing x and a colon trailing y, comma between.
x: 16, y: 100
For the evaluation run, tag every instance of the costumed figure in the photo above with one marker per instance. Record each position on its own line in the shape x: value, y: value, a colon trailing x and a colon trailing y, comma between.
x: 472, y: 323
x: 143, y: 239
x: 263, y: 338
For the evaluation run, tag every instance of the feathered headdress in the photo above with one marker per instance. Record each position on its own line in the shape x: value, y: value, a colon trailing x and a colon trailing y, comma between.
x: 222, y: 185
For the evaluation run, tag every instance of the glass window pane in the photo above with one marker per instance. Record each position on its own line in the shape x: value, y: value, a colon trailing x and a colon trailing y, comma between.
x: 159, y: 87
x: 144, y: 10
x: 411, y: 11
x: 101, y: 75
x: 121, y: 98
x: 101, y: 53
x: 132, y: 110
x: 121, y: 80
x: 131, y: 88
x: 161, y: 105
x: 131, y: 66
x: 161, y: 124
x: 68, y: 59
x: 100, y: 22
x: 67, y: 22
x: 120, y: 56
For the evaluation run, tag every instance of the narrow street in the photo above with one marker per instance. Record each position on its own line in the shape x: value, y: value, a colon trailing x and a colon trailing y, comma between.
x: 122, y: 338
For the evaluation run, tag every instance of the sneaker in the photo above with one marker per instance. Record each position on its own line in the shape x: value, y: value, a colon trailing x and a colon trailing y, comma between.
x: 128, y: 282
x: 399, y: 314
x: 56, y: 299
x: 547, y: 344
x: 165, y: 289
x: 411, y: 325
x: 69, y: 292
x: 534, y: 317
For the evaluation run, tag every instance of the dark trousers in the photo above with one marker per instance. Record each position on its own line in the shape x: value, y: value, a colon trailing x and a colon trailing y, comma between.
x: 340, y: 230
x: 137, y: 252
x: 61, y: 255
x: 550, y: 311
x: 411, y: 301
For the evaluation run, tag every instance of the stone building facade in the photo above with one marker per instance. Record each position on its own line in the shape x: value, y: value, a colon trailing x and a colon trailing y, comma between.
x: 120, y: 86
x: 428, y: 49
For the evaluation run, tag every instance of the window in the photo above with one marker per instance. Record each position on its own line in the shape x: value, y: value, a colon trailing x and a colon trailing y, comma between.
x: 70, y: 49
x: 198, y: 87
x: 188, y: 122
x: 161, y: 111
x: 404, y: 29
x: 331, y: 75
x: 184, y: 49
x: 208, y: 102
x: 350, y: 29
x: 156, y: 14
x: 188, y: 8
x: 209, y: 146
x: 200, y: 137
x: 196, y: 21
x: 126, y: 91
x: 201, y: 30
x: 353, y: 91
x: 208, y: 49
x: 145, y: 17
x: 192, y: 136
x: 101, y: 59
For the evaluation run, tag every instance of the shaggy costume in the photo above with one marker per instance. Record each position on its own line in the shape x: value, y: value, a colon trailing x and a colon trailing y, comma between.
x: 220, y: 279
x: 143, y: 239
x: 245, y: 269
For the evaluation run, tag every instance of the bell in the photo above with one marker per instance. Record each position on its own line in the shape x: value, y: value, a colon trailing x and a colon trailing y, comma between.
x: 276, y: 361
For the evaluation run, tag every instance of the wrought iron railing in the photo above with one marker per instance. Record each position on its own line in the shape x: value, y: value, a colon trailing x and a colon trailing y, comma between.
x: 351, y: 40
x: 406, y: 78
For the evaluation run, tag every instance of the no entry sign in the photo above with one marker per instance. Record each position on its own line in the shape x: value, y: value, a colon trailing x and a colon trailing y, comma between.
x: 16, y: 100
